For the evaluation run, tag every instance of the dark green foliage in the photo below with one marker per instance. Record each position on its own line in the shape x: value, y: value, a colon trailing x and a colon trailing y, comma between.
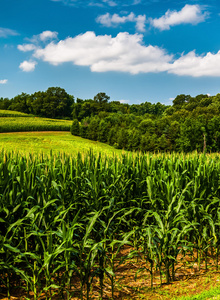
x: 103, y: 131
x: 101, y: 98
x: 83, y: 129
x: 92, y: 131
x: 4, y: 103
x: 192, y: 123
x: 122, y: 138
x: 75, y: 128
x: 112, y: 136
x: 54, y: 103
x: 134, y: 140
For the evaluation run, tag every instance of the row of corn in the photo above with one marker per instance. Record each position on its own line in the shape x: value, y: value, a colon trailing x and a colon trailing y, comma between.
x: 15, y: 124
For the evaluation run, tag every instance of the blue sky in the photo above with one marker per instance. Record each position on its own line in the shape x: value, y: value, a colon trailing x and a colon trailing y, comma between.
x: 133, y: 50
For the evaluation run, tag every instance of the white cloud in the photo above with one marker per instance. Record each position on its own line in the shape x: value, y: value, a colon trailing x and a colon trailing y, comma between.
x: 26, y: 47
x: 3, y: 81
x: 114, y: 20
x: 189, y: 14
x: 5, y: 32
x: 110, y: 2
x: 99, y: 3
x: 140, y: 23
x: 124, y: 101
x: 124, y: 53
x: 28, y: 66
x: 48, y: 35
x: 197, y: 66
x: 45, y: 36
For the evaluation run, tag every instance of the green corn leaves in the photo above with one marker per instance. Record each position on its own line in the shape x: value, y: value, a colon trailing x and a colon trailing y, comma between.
x: 65, y: 221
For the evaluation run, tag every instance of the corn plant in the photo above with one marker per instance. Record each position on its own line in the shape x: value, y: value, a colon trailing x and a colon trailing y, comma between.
x: 64, y: 217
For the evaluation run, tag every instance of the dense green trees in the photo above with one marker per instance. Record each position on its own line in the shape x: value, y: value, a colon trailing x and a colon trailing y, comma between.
x: 54, y: 103
x: 191, y: 123
x: 75, y: 129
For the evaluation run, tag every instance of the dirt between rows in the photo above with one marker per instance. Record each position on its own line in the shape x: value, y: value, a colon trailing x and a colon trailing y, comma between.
x: 131, y: 284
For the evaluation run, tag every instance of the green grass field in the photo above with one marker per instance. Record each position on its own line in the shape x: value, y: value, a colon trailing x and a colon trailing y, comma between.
x: 36, y: 142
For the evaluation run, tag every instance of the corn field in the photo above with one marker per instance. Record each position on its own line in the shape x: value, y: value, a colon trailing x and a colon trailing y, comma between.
x: 27, y: 123
x: 65, y: 220
x: 11, y: 113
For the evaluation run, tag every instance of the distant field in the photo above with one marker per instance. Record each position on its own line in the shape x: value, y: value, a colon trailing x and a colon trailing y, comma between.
x: 11, y: 113
x: 28, y: 134
x: 35, y: 142
x: 26, y: 123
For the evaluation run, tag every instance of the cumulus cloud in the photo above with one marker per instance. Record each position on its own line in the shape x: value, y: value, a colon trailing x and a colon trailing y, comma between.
x: 28, y: 66
x: 43, y: 37
x: 124, y: 53
x: 26, y: 47
x: 3, y: 81
x: 189, y: 14
x: 48, y: 35
x: 140, y: 23
x: 114, y: 20
x: 197, y: 65
x: 5, y: 32
x: 38, y: 39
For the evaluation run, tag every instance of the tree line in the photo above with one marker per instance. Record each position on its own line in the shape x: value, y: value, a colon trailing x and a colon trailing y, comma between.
x: 54, y: 103
x: 190, y: 123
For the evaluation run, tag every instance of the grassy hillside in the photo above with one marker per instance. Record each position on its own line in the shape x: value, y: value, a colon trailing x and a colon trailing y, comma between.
x: 36, y: 142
